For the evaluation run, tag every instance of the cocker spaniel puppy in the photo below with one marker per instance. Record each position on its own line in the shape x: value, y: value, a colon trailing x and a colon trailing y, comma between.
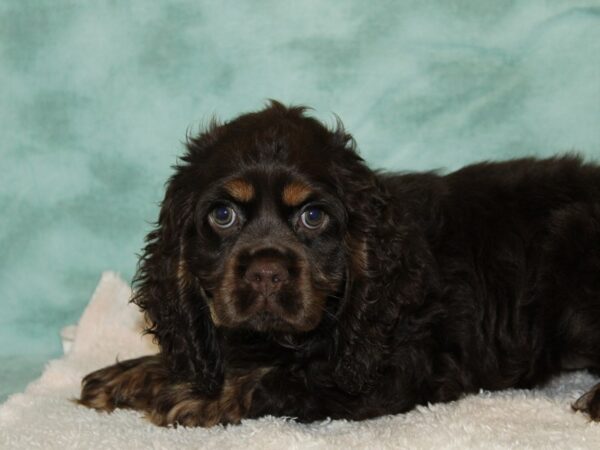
x: 286, y: 278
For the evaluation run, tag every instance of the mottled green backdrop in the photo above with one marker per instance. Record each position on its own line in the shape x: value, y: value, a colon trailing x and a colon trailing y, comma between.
x: 96, y: 97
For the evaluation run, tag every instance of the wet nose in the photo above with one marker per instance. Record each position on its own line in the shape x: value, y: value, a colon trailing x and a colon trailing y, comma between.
x: 266, y: 275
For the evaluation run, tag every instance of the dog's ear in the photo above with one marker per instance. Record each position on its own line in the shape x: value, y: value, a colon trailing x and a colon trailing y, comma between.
x: 172, y: 299
x: 386, y: 271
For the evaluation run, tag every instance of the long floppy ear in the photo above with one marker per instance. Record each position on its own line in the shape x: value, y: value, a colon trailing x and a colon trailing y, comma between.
x: 172, y: 299
x: 386, y: 272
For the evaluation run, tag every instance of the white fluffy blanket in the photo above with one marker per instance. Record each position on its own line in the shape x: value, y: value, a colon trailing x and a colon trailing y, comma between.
x: 43, y: 416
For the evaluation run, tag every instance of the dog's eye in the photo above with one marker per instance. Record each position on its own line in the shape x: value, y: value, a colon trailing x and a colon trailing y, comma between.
x: 313, y: 217
x: 223, y: 216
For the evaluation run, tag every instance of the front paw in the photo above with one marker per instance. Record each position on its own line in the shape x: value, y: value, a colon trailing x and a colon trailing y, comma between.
x: 127, y: 384
x: 181, y: 404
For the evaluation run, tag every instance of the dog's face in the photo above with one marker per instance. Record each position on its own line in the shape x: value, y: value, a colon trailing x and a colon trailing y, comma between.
x: 267, y: 240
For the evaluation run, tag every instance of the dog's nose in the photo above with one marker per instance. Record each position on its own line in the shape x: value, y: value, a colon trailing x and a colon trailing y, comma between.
x: 267, y: 275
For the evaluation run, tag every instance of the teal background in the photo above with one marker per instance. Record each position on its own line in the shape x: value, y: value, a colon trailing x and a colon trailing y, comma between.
x: 96, y: 98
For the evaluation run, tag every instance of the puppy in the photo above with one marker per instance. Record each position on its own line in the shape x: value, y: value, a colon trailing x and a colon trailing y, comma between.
x: 286, y: 278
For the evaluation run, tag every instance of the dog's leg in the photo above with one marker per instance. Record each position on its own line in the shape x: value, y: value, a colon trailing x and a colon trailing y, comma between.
x: 310, y: 394
x: 146, y: 385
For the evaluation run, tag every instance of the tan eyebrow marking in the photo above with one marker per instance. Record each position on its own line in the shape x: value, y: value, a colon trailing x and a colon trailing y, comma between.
x: 295, y: 193
x: 240, y: 190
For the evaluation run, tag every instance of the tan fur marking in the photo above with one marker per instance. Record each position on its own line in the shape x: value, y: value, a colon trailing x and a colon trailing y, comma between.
x: 220, y: 304
x: 241, y: 190
x: 295, y: 193
x: 213, y: 314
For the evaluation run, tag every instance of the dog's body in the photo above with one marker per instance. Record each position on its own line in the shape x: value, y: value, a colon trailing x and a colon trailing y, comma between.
x: 308, y: 286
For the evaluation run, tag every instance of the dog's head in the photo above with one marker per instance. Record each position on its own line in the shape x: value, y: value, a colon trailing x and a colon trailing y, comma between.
x: 269, y: 246
x: 261, y: 228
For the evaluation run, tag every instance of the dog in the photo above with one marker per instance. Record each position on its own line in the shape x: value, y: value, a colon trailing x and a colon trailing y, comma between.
x: 286, y: 278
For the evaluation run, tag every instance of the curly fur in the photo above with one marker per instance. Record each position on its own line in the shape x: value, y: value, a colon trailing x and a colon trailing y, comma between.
x: 422, y: 287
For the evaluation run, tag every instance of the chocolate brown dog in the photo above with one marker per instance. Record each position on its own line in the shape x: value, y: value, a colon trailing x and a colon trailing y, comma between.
x: 287, y: 278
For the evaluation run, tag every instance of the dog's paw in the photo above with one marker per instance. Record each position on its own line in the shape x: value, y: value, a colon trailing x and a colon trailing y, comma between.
x: 181, y: 404
x: 127, y: 384
x: 589, y: 403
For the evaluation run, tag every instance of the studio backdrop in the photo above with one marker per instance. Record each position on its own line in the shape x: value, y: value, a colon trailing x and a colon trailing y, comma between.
x: 96, y: 99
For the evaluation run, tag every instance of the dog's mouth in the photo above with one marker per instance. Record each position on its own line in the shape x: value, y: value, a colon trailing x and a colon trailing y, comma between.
x: 269, y: 290
x: 298, y: 310
x: 267, y: 321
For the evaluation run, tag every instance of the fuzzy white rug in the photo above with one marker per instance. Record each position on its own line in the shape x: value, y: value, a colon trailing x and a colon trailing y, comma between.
x: 43, y: 416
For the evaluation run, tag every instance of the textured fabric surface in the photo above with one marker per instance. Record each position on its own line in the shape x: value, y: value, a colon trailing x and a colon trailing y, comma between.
x: 109, y: 328
x: 97, y: 97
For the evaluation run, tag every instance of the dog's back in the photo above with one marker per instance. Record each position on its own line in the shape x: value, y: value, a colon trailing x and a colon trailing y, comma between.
x: 517, y: 251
